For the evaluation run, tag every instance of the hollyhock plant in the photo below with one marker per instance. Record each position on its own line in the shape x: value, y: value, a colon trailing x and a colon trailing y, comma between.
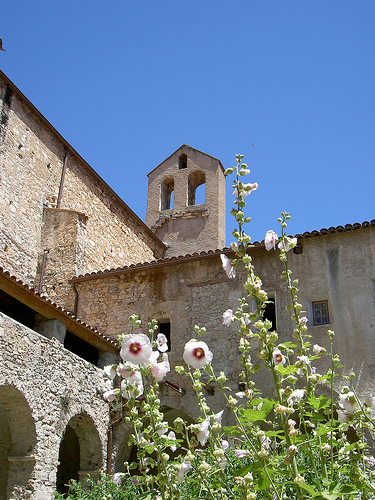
x: 136, y: 348
x: 227, y: 266
x: 197, y: 354
x: 287, y: 244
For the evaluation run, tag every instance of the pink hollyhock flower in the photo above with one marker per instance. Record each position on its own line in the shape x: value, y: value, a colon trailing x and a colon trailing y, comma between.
x: 227, y: 266
x: 136, y: 348
x: 162, y: 342
x: 241, y: 453
x: 203, y: 434
x: 172, y: 437
x: 159, y: 370
x: 270, y: 240
x: 278, y: 357
x: 182, y: 470
x: 129, y: 371
x: 228, y: 317
x: 197, y: 354
x: 110, y: 371
x: 287, y: 244
x: 303, y: 321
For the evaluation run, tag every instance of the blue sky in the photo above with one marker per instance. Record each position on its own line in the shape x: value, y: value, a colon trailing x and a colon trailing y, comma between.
x: 128, y: 82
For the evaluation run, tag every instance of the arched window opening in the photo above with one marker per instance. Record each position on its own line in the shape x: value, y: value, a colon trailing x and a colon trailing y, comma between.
x: 182, y: 161
x: 17, y: 441
x: 69, y: 460
x: 167, y: 194
x: 196, y: 179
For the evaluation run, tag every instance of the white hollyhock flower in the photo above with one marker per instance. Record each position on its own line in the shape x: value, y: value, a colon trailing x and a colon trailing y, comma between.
x: 227, y: 266
x: 172, y: 437
x: 110, y: 395
x: 348, y: 402
x: 287, y: 244
x: 197, y: 354
x: 136, y: 348
x: 182, y: 470
x: 246, y: 189
x: 228, y: 317
x: 241, y: 453
x: 204, y: 432
x: 278, y: 357
x: 131, y: 390
x: 296, y: 396
x: 159, y: 370
x: 270, y: 240
x: 317, y: 349
x: 224, y: 444
x: 304, y: 360
x: 218, y: 416
x: 162, y: 342
x: 110, y: 371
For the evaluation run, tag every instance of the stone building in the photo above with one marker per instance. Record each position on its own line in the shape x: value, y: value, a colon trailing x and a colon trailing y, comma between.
x: 76, y: 262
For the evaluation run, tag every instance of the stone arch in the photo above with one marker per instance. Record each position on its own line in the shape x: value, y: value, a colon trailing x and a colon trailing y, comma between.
x: 17, y: 441
x: 80, y: 453
x: 166, y: 193
x: 196, y: 178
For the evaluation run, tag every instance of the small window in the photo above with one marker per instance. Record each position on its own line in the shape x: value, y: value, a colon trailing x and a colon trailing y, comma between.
x: 182, y: 162
x: 270, y: 312
x: 165, y: 328
x: 320, y: 312
x: 197, y: 179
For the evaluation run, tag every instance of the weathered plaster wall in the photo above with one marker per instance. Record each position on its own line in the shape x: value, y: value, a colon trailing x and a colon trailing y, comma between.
x: 43, y: 388
x: 340, y: 268
x: 188, y: 228
x: 31, y: 163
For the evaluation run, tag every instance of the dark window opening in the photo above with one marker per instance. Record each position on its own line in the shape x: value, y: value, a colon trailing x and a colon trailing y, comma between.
x: 16, y: 310
x: 182, y: 162
x: 320, y: 312
x: 82, y: 348
x: 270, y: 313
x: 167, y: 194
x: 165, y: 328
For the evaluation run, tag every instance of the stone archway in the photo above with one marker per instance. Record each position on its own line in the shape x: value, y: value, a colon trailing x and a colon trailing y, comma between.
x: 17, y: 441
x: 125, y: 453
x: 80, y: 453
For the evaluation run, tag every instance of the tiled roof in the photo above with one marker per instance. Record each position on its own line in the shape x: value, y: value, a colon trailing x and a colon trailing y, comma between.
x: 27, y: 295
x: 209, y: 254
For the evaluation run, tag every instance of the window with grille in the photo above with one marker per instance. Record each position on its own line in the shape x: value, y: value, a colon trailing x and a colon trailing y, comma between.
x: 320, y: 312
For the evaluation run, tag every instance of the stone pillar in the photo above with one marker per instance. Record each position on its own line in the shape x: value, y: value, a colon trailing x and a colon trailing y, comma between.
x: 50, y: 328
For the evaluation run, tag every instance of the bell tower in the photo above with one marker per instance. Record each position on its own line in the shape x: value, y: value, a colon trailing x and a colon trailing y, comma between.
x: 186, y: 202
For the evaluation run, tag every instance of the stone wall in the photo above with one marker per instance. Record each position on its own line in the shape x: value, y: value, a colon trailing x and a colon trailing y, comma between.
x: 338, y: 267
x: 32, y: 156
x: 46, y: 391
